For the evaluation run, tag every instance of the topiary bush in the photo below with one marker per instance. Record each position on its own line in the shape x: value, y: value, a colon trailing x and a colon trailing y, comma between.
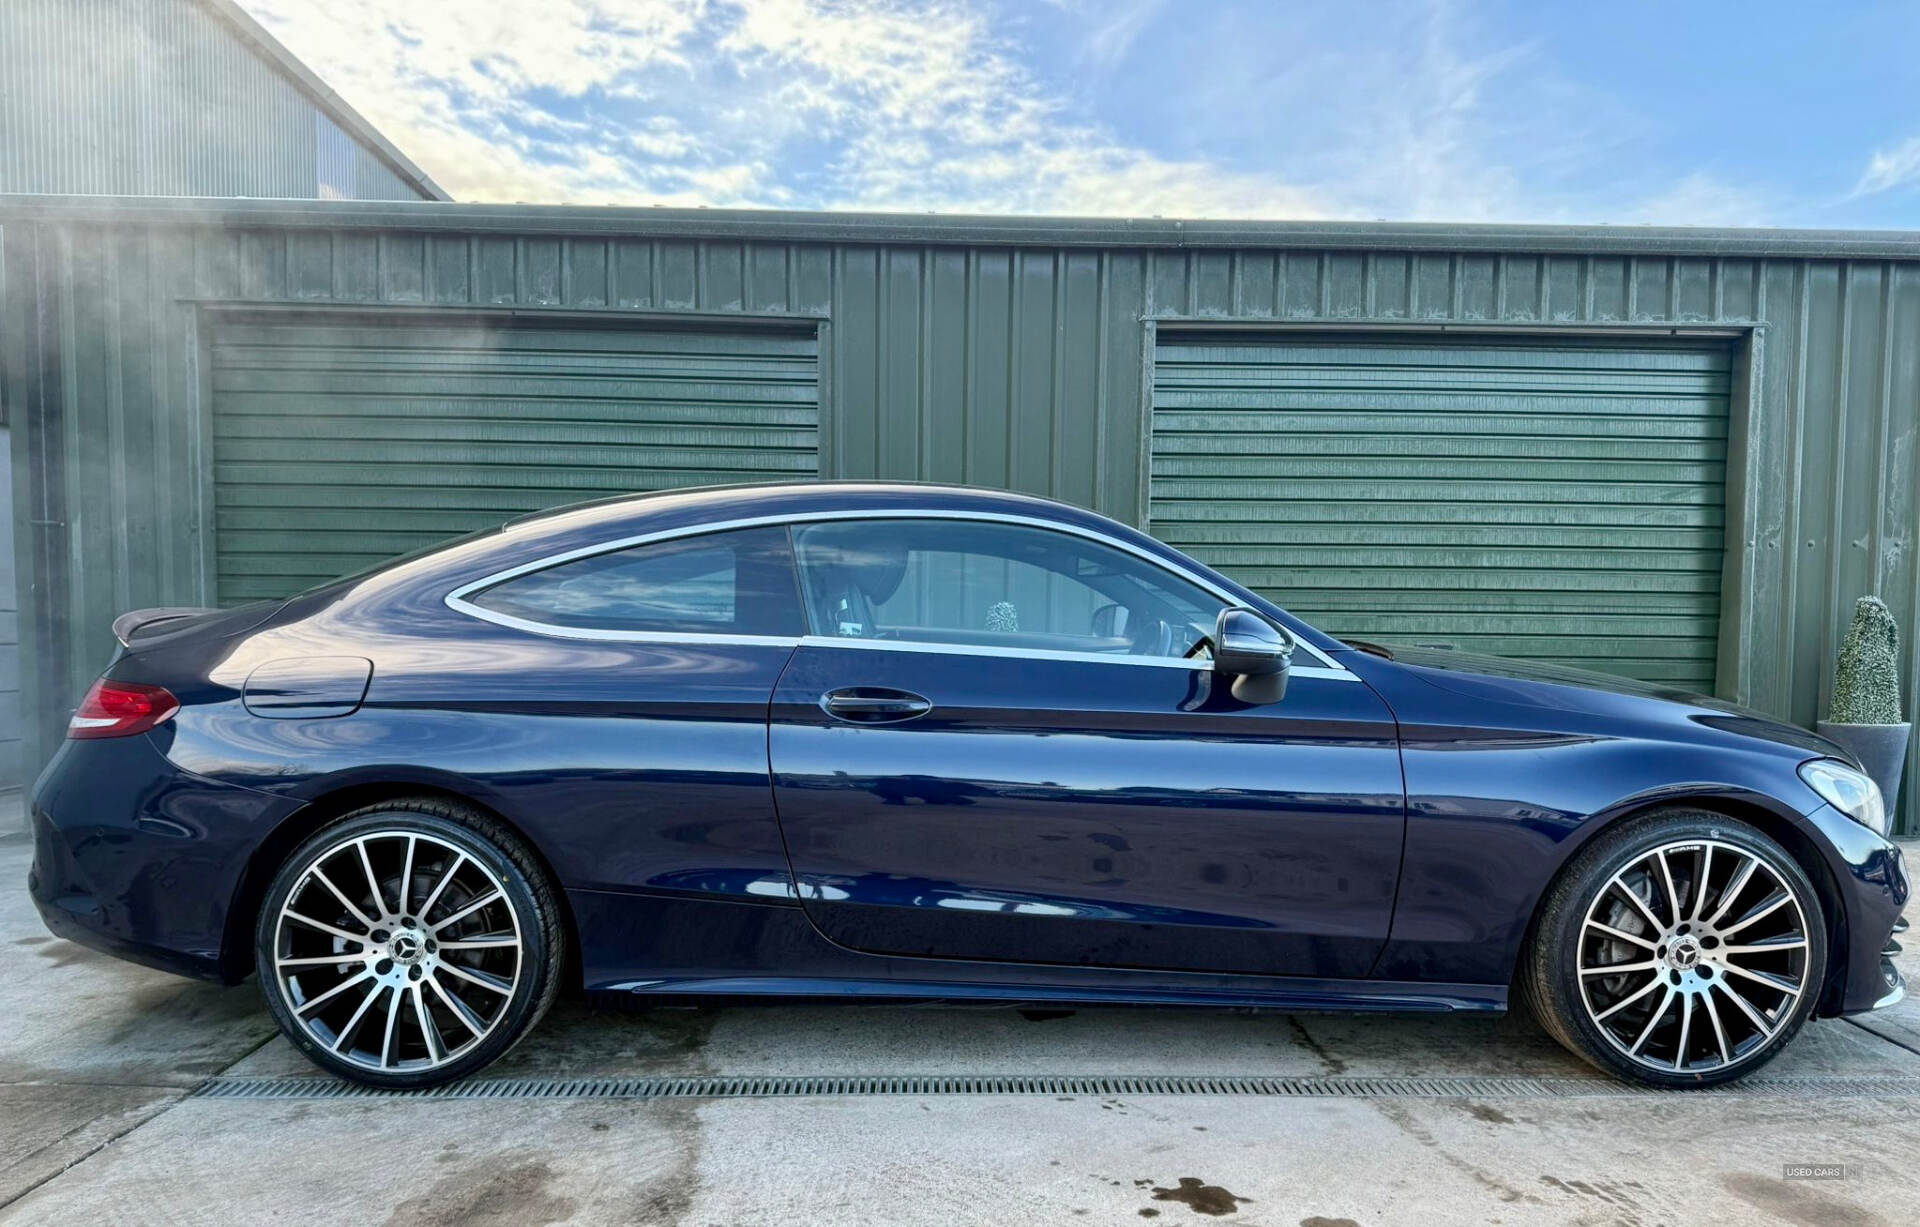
x: 1866, y: 688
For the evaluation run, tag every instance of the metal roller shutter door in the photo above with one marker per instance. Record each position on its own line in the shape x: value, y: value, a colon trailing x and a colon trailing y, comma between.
x: 338, y: 444
x: 1529, y: 498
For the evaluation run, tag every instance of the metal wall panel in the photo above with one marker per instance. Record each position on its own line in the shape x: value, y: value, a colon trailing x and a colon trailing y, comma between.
x: 9, y: 652
x: 337, y: 444
x: 1535, y: 498
x: 1018, y: 366
x: 155, y: 97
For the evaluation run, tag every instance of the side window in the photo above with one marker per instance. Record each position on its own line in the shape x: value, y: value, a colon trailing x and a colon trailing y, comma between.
x: 729, y: 583
x: 983, y: 583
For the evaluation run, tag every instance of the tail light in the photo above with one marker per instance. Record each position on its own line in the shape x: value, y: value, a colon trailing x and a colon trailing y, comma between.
x: 121, y: 709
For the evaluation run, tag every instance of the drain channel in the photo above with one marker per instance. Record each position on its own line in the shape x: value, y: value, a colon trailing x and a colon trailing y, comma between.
x: 842, y: 1086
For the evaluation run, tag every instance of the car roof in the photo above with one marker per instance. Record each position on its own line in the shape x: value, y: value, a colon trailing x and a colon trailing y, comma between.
x: 795, y: 498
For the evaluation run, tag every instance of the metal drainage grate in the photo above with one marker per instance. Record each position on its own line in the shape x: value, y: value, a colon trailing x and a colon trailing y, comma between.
x: 1092, y: 1085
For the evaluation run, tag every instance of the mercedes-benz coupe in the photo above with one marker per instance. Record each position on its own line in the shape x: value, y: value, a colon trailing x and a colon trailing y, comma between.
x: 922, y: 742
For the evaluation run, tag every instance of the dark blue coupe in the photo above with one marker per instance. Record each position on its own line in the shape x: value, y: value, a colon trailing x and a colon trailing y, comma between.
x: 900, y: 741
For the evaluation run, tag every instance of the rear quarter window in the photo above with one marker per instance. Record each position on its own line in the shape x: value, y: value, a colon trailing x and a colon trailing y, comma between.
x: 728, y: 583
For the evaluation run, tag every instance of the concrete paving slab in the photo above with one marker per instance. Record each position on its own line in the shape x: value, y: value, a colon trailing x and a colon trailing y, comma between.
x: 49, y: 1128
x: 910, y: 1160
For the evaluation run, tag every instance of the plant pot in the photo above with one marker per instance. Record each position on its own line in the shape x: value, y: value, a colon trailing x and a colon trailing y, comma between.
x: 1881, y: 749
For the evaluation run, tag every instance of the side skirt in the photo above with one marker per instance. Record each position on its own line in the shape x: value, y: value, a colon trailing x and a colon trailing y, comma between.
x: 667, y: 948
x: 1356, y: 996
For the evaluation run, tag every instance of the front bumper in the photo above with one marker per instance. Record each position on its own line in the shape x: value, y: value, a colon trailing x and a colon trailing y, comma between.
x: 139, y: 859
x: 1871, y: 876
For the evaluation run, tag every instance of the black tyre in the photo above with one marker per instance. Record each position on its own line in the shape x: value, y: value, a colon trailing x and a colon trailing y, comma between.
x: 1683, y: 949
x: 409, y: 943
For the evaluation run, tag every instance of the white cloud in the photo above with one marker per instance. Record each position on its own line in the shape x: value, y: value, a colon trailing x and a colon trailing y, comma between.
x: 1891, y: 168
x: 925, y: 105
x: 929, y: 111
x: 491, y: 103
x: 905, y: 105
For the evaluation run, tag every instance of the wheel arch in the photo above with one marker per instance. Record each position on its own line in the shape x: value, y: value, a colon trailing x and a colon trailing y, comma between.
x: 1783, y: 830
x: 236, y: 947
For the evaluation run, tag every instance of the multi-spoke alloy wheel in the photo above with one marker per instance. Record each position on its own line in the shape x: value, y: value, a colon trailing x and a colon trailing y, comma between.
x: 403, y: 948
x: 1687, y: 964
x: 1683, y: 951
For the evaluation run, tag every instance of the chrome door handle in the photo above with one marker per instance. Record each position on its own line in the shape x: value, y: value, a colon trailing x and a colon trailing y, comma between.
x: 874, y: 704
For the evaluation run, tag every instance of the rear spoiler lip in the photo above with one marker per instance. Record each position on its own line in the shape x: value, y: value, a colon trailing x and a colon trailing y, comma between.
x: 129, y: 624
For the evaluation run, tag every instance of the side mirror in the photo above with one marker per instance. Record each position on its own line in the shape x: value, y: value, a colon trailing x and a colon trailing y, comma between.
x: 1255, y: 653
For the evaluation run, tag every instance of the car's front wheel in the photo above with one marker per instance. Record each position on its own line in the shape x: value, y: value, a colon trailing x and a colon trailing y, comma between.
x: 408, y: 944
x: 1683, y: 949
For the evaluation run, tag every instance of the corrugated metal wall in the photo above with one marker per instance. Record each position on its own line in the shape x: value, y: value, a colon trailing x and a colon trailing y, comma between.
x: 1009, y: 366
x: 1541, y: 498
x: 155, y: 98
x: 338, y: 444
x: 9, y: 654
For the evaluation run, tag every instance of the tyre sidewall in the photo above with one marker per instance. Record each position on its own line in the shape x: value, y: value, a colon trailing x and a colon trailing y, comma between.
x: 535, y: 928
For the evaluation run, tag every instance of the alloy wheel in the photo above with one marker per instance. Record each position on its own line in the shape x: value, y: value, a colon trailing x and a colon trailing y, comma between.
x: 397, y: 951
x: 1693, y: 956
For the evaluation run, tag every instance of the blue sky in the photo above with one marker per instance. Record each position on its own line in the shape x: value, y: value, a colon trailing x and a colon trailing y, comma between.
x: 1759, y: 113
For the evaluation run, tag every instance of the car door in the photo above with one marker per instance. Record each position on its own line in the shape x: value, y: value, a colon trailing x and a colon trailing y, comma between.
x: 996, y: 746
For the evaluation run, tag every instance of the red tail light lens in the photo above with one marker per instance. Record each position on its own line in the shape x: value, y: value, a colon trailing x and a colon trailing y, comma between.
x: 121, y: 709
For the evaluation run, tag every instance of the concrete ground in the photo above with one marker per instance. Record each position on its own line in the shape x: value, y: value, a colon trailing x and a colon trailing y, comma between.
x: 98, y: 1060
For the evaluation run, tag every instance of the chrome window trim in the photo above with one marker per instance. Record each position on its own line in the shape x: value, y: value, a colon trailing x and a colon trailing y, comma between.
x: 1335, y: 673
x: 456, y: 600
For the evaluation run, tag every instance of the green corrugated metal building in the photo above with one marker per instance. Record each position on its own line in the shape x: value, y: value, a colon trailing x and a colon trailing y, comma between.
x: 178, y: 98
x: 1675, y: 454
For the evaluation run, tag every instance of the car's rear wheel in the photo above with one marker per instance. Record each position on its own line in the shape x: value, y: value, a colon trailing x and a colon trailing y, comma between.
x: 1683, y: 949
x: 409, y: 944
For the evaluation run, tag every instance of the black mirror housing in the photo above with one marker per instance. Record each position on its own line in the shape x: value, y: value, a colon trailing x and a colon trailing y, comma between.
x: 1255, y: 653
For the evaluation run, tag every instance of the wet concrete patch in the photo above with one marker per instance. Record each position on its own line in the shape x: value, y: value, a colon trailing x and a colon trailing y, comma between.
x: 1487, y: 1112
x: 1806, y: 1202
x: 581, y: 1040
x: 672, y: 1192
x: 1408, y: 1120
x: 1200, y: 1197
x: 1333, y: 1064
x: 1629, y: 1197
x: 487, y: 1195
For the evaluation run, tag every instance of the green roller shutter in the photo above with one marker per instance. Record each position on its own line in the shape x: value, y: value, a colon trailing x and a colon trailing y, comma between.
x: 1528, y: 498
x: 338, y: 444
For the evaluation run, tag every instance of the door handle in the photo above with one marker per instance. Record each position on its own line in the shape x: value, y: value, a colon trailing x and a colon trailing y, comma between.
x: 874, y: 704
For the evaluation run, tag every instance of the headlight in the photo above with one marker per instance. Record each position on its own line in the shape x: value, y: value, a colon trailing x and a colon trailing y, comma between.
x: 1851, y: 792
